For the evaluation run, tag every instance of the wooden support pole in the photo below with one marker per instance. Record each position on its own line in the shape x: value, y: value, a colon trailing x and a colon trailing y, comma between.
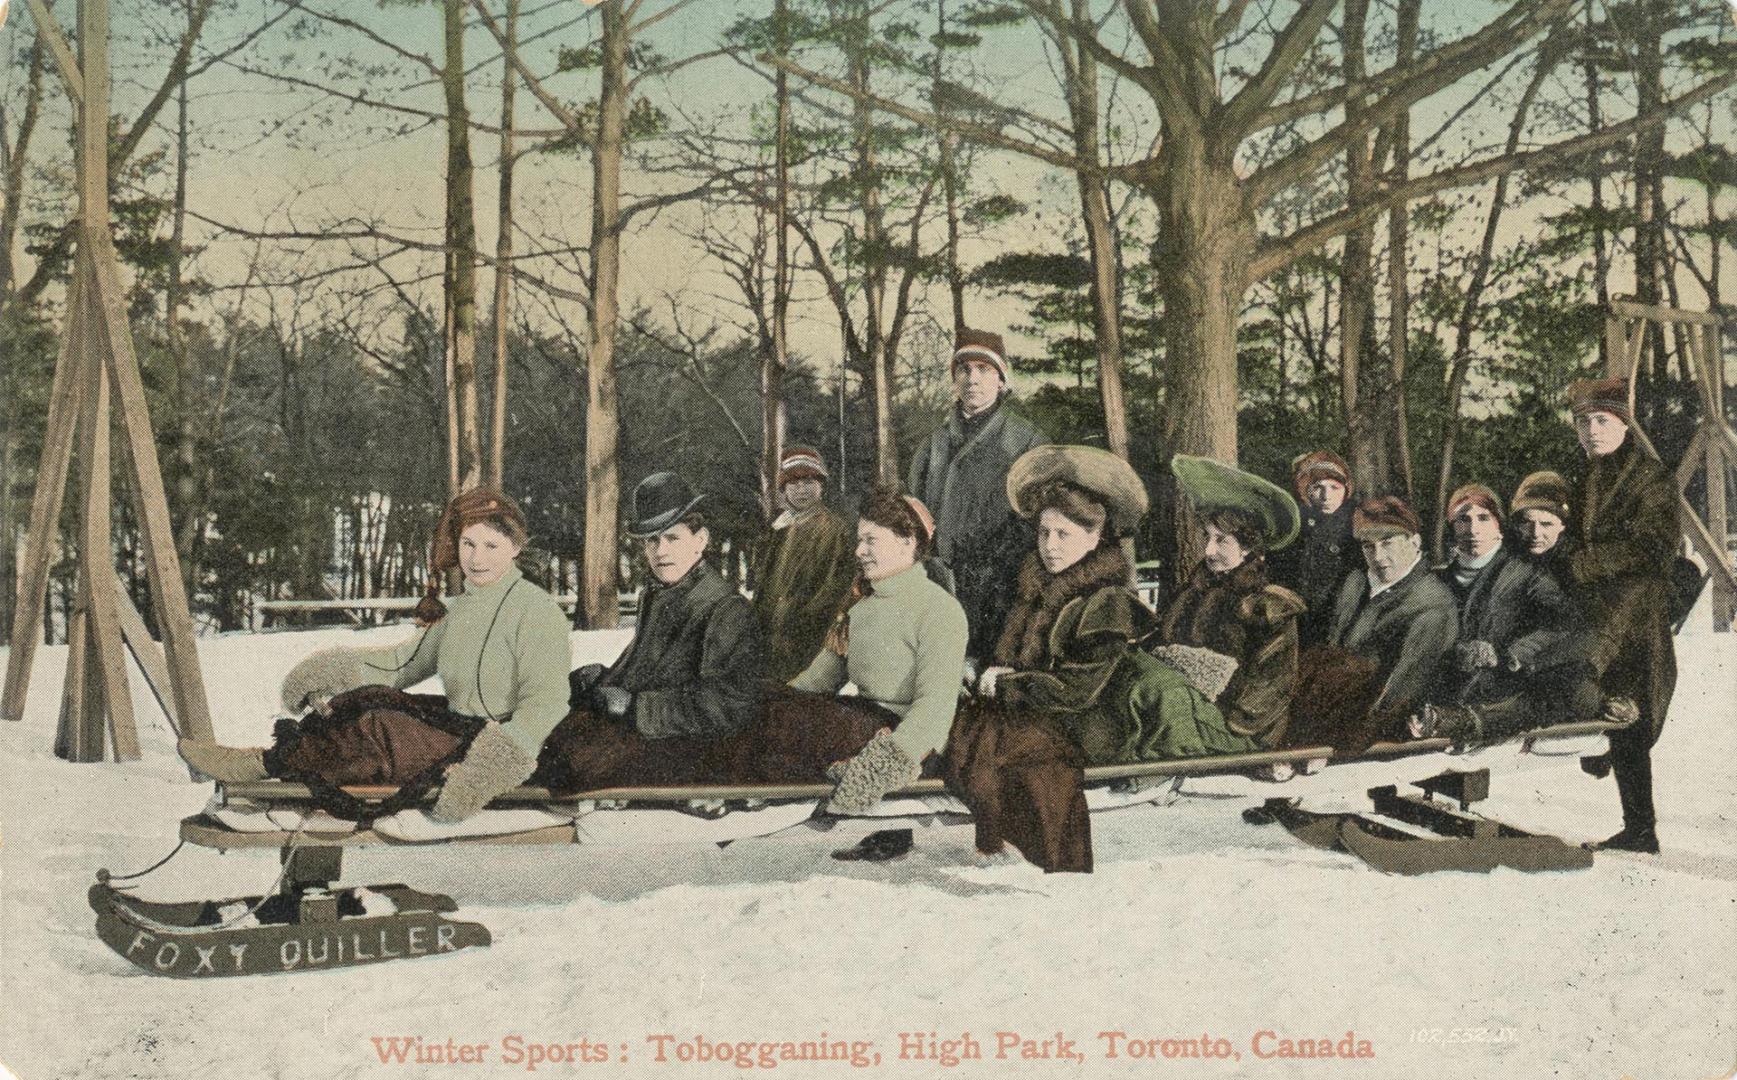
x: 64, y: 401
x: 67, y: 735
x: 1659, y: 313
x: 162, y: 564
x: 64, y: 62
x: 105, y: 687
x: 147, y: 654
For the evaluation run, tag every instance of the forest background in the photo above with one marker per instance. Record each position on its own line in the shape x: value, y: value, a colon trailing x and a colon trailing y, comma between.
x: 379, y: 252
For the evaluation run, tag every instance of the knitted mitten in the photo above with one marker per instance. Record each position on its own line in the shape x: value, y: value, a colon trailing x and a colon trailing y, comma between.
x: 880, y: 767
x: 1207, y: 671
x: 325, y: 673
x: 494, y: 764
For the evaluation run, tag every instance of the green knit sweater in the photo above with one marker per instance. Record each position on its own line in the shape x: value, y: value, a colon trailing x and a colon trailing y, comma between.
x: 907, y: 652
x: 501, y: 650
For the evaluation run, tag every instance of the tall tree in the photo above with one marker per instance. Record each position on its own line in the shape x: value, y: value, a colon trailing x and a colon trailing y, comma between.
x: 504, y: 251
x: 464, y: 450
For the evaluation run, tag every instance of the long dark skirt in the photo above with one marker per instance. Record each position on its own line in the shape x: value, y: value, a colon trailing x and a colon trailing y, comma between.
x: 792, y: 742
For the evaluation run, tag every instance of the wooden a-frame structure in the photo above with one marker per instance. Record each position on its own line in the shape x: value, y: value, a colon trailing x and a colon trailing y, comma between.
x: 97, y: 372
x: 1712, y: 447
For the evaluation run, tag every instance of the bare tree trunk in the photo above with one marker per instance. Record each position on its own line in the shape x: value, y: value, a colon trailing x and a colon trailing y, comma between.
x: 1595, y: 120
x: 1082, y: 74
x: 1360, y: 398
x: 466, y: 455
x: 504, y: 255
x: 1460, y: 364
x: 1649, y: 148
x: 775, y: 358
x: 947, y: 144
x: 597, y: 604
x: 1398, y: 137
x: 873, y: 251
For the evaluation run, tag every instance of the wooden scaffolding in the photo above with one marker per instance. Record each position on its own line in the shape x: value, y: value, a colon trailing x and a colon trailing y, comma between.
x: 96, y: 376
x: 1712, y: 448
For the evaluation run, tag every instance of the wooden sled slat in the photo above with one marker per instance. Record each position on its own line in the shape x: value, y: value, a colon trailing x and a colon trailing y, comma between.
x: 207, y: 831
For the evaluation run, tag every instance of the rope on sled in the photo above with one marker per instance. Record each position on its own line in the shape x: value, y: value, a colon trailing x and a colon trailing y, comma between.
x: 136, y: 916
x: 106, y: 878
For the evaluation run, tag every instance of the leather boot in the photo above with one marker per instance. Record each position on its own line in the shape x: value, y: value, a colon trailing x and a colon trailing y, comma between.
x: 224, y: 764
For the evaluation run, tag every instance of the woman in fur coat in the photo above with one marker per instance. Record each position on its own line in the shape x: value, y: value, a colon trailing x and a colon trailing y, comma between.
x: 500, y: 649
x: 1068, y: 647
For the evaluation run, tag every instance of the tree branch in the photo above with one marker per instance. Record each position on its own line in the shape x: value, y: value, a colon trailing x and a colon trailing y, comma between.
x: 1292, y: 45
x: 71, y: 75
x: 1274, y: 254
x: 567, y: 117
x: 1428, y: 74
x: 177, y: 72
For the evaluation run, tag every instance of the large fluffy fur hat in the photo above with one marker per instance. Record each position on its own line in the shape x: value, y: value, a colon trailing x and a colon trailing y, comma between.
x: 1214, y: 486
x: 1305, y: 468
x: 1099, y: 473
x: 1543, y: 491
x: 1600, y: 395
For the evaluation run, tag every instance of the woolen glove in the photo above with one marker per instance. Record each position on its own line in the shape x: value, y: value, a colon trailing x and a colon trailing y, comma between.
x: 611, y: 701
x: 986, y: 682
x: 580, y: 681
x: 494, y: 764
x: 320, y: 676
x: 1472, y: 655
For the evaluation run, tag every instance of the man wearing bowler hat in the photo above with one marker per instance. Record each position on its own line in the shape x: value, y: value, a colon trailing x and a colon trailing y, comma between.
x: 960, y: 474
x: 693, y: 672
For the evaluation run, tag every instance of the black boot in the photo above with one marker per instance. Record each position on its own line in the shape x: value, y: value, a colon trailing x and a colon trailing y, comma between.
x: 878, y: 846
x: 1644, y: 840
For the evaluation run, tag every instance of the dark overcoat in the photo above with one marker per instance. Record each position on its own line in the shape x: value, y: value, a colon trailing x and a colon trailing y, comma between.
x: 1241, y: 614
x: 960, y: 474
x: 1623, y: 537
x: 696, y: 665
x: 1408, y: 630
x: 803, y: 574
x: 1517, y: 606
x: 1316, y: 566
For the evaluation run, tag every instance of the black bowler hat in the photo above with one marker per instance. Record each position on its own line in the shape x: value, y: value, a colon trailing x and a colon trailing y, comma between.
x: 660, y: 500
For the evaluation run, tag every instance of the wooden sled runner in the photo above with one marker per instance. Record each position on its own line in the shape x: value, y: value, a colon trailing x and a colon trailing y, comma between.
x: 312, y: 923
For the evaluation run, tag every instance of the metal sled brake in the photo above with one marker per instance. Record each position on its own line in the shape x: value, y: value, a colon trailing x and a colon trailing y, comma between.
x: 311, y: 923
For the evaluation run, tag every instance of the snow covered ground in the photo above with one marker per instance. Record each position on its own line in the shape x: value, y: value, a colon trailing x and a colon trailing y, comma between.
x: 1195, y: 924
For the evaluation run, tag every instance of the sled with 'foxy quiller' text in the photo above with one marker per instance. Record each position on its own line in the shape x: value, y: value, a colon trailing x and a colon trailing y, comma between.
x: 311, y: 922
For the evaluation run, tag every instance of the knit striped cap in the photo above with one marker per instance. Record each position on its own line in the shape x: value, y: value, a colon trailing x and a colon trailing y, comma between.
x: 983, y: 346
x: 1476, y: 495
x: 801, y: 463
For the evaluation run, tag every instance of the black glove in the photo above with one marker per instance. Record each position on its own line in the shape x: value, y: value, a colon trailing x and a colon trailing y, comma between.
x: 579, y: 684
x: 611, y: 701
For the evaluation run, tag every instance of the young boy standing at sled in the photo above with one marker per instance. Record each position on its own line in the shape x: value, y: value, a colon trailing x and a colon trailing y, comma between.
x: 1623, y: 535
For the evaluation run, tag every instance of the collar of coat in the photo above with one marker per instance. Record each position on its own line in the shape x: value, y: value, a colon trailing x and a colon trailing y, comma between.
x: 701, y: 586
x: 1247, y: 576
x: 1605, y: 477
x: 1040, y: 597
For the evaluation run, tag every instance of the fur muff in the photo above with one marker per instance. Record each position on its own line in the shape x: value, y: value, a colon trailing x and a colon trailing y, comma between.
x: 492, y: 765
x: 882, y: 766
x: 328, y: 672
x: 1207, y: 671
x: 1040, y: 597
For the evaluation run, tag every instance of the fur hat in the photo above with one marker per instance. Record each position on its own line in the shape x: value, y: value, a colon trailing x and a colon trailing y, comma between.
x: 980, y: 345
x: 1212, y: 485
x: 1097, y: 472
x: 1477, y: 495
x: 1600, y: 395
x: 801, y: 463
x: 467, y: 508
x: 1543, y: 491
x: 1207, y: 671
x: 880, y: 767
x: 1306, y: 468
x: 1381, y: 516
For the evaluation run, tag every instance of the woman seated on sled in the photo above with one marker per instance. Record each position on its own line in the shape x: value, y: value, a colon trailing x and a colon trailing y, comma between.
x: 1067, y: 654
x: 901, y: 642
x: 500, y: 648
x: 1229, y: 605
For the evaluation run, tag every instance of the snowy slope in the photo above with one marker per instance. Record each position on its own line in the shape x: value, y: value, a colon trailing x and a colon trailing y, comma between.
x: 1194, y: 924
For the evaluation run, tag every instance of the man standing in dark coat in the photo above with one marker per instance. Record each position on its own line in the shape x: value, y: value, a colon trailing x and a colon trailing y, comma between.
x: 1516, y: 664
x: 693, y: 673
x: 1623, y: 536
x: 1396, y: 621
x: 960, y: 474
x: 1318, y: 563
x: 804, y: 568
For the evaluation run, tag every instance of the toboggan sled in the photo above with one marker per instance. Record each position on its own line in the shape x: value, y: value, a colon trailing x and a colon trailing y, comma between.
x: 311, y: 923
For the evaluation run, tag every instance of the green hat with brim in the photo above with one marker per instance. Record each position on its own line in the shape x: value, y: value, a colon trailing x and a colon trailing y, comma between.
x: 1099, y: 472
x: 1212, y: 486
